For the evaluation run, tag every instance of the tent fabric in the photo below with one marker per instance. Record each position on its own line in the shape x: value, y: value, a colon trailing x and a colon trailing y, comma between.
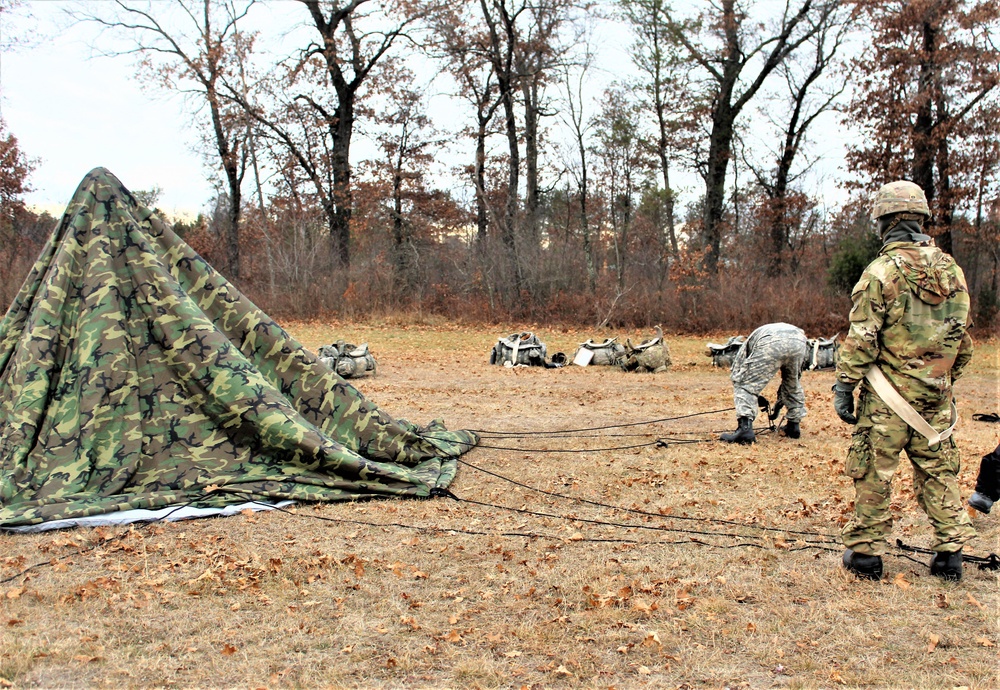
x: 133, y: 375
x: 168, y: 514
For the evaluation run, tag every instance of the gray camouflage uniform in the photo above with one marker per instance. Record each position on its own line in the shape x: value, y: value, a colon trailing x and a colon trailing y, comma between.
x: 770, y: 348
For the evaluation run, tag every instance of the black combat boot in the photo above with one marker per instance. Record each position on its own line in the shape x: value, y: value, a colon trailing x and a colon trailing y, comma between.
x: 865, y: 567
x: 947, y: 565
x: 743, y: 434
x: 987, y: 483
x: 981, y: 502
x: 791, y: 429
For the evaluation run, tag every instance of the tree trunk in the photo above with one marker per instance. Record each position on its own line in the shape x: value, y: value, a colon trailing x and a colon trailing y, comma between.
x: 400, y: 237
x: 340, y: 165
x: 924, y: 149
x: 662, y: 150
x: 779, y: 195
x: 479, y: 182
x: 720, y: 143
x: 588, y: 249
x: 946, y: 210
x: 529, y: 90
x: 721, y: 138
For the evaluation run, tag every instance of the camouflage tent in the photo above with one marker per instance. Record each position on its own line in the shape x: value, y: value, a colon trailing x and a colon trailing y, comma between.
x: 133, y: 375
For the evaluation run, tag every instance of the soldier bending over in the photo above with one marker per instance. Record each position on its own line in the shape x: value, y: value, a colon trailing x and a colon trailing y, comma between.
x: 770, y: 348
x: 908, y: 333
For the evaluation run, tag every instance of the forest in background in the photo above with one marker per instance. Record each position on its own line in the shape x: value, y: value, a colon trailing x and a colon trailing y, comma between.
x: 566, y: 207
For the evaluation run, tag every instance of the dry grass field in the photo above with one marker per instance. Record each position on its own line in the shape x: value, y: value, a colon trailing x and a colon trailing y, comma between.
x: 728, y: 580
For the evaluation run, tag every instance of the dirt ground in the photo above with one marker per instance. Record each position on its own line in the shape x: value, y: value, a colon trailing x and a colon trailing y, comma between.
x: 706, y: 565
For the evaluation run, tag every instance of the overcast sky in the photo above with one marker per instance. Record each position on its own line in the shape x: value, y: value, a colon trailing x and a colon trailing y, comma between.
x: 73, y: 112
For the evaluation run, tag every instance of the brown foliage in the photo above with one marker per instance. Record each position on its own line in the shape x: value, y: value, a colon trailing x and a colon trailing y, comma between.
x: 926, y: 85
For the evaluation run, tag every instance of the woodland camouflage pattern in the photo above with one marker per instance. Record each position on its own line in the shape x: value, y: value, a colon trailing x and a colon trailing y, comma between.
x: 909, y: 318
x: 133, y: 375
x: 770, y: 348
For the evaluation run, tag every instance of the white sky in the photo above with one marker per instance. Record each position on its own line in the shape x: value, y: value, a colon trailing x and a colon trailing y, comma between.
x: 73, y: 112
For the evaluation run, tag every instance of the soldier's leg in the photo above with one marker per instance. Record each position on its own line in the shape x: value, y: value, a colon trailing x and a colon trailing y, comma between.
x: 752, y: 377
x: 872, y: 461
x: 790, y: 392
x: 935, y: 482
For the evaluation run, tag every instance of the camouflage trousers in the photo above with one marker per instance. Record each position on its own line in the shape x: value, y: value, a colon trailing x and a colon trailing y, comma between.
x: 769, y: 354
x: 872, y: 461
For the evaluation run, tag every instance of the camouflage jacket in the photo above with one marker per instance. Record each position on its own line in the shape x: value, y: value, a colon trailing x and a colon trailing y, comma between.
x: 911, y: 309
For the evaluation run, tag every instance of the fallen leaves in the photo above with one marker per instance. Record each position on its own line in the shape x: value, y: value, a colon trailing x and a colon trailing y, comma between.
x: 706, y: 601
x: 901, y: 581
x: 651, y: 639
x: 932, y: 642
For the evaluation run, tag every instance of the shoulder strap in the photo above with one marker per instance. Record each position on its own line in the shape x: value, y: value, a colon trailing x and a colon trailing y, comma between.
x: 891, y: 397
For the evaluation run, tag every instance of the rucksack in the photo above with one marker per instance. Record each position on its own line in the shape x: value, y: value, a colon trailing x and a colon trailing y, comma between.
x: 350, y: 361
x: 606, y: 353
x: 723, y: 355
x: 651, y: 355
x: 519, y: 348
x: 822, y: 353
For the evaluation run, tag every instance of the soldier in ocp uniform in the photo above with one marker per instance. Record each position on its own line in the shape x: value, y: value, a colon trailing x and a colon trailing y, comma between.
x: 909, y: 317
x: 771, y: 348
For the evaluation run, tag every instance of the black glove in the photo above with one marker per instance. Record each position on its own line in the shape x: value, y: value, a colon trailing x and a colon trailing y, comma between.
x: 843, y: 402
x: 776, y: 411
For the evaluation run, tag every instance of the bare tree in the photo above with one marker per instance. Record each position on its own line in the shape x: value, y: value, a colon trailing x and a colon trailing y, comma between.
x: 580, y: 126
x: 458, y: 39
x: 499, y: 45
x: 407, y: 142
x: 737, y: 54
x: 319, y: 93
x: 618, y: 147
x: 665, y: 83
x: 806, y: 99
x: 195, y: 51
x: 538, y: 53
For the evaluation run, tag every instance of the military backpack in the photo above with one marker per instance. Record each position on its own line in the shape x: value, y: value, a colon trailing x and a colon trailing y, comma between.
x: 608, y: 352
x: 723, y: 355
x: 350, y: 361
x: 519, y: 349
x: 651, y: 355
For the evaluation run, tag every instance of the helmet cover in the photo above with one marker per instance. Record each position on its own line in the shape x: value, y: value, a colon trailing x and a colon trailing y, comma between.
x: 901, y: 196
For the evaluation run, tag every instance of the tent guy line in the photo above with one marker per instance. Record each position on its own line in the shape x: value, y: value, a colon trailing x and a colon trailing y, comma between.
x: 486, y: 433
x: 643, y: 513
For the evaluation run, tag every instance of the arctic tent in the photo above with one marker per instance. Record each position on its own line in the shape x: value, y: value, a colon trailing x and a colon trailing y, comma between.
x: 133, y: 375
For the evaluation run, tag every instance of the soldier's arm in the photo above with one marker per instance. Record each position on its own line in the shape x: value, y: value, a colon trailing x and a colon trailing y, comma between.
x: 861, y: 346
x: 963, y: 358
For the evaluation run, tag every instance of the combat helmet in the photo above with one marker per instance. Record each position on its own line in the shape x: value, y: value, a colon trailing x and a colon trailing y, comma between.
x: 901, y: 196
